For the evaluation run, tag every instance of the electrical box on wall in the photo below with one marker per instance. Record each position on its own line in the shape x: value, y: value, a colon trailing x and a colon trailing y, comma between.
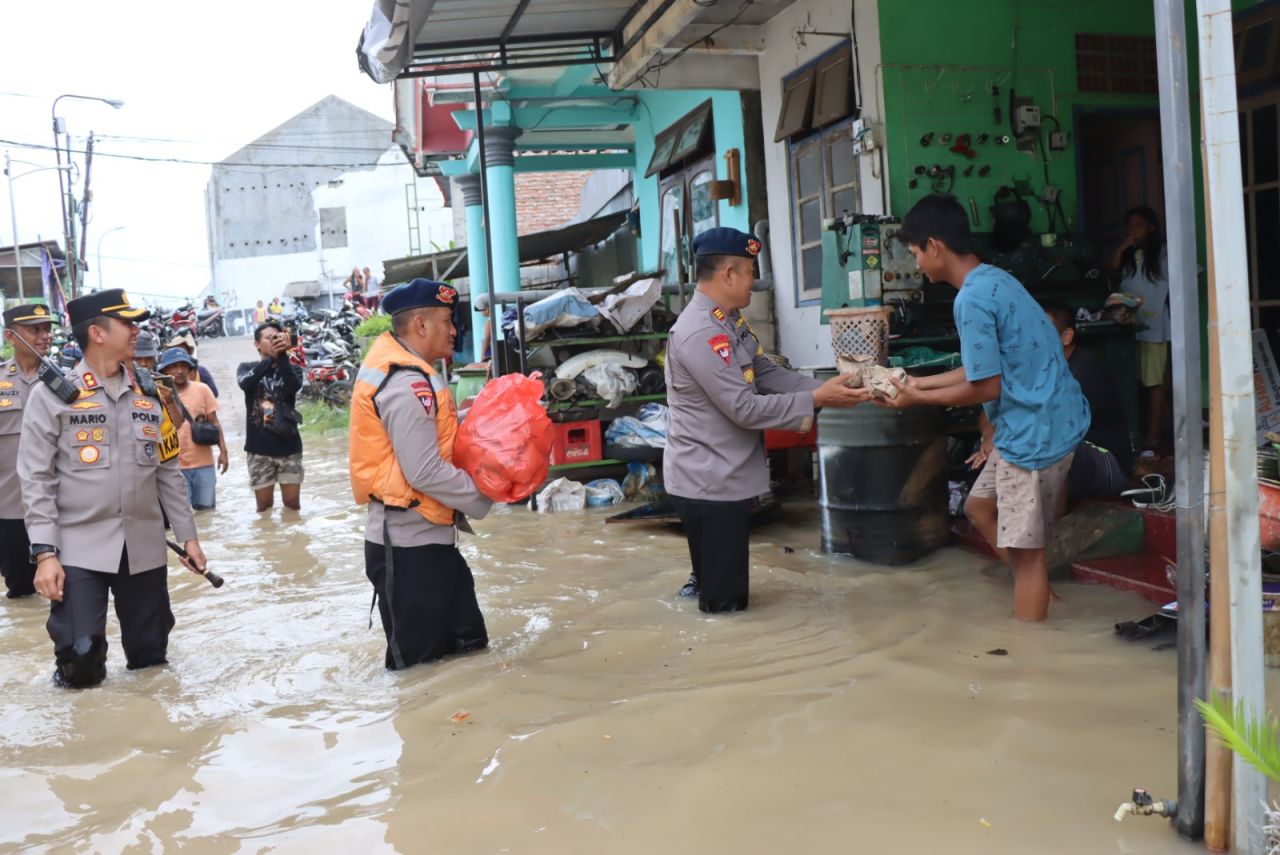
x: 1026, y: 120
x: 863, y: 135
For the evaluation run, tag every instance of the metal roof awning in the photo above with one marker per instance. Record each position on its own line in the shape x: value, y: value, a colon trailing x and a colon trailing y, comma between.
x: 423, y: 38
x: 412, y: 38
x: 452, y: 263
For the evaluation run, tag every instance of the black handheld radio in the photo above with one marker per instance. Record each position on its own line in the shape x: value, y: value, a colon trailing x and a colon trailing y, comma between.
x: 50, y: 375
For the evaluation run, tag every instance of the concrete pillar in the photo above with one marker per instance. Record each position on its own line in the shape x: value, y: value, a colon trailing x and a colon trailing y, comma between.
x: 499, y: 145
x: 477, y: 263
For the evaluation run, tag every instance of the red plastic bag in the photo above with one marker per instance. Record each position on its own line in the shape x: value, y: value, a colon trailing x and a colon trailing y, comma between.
x: 505, y: 442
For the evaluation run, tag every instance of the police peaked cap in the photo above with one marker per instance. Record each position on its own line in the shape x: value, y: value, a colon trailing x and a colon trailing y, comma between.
x: 113, y: 303
x: 31, y: 313
x: 419, y: 294
x: 726, y: 241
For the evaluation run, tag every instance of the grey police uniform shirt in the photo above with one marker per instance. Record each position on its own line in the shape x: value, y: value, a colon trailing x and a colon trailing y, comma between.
x: 92, y: 478
x: 15, y: 388
x: 722, y: 391
x: 416, y: 445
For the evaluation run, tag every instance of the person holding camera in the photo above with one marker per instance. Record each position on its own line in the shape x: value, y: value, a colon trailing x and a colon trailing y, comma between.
x: 200, y: 430
x: 272, y: 441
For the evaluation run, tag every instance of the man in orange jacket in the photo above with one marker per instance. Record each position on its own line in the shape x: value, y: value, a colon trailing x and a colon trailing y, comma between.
x: 403, y: 423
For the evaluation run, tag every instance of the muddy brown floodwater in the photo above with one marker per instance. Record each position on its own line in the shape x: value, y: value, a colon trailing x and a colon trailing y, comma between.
x: 853, y: 709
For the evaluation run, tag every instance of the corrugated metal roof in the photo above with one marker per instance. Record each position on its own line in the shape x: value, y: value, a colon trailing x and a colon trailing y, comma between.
x: 486, y: 20
x: 452, y: 263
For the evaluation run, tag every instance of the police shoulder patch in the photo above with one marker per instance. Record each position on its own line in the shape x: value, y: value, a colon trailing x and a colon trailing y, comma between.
x: 720, y: 346
x: 718, y: 313
x: 90, y: 382
x: 426, y: 397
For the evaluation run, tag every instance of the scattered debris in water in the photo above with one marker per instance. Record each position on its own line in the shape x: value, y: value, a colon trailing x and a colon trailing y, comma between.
x: 999, y: 651
x: 460, y: 716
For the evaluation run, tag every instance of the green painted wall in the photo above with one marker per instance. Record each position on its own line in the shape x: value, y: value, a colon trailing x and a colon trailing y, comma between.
x: 1027, y: 45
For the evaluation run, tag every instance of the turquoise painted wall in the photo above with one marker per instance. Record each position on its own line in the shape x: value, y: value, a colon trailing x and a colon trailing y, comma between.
x: 657, y: 110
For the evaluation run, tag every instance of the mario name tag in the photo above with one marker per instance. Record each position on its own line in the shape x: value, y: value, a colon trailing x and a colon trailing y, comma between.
x: 720, y: 345
x: 426, y: 397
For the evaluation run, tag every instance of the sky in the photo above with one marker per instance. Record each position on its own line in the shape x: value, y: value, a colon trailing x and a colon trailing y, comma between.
x: 199, y: 80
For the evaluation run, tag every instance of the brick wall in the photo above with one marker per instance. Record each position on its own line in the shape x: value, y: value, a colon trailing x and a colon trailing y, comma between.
x: 548, y: 200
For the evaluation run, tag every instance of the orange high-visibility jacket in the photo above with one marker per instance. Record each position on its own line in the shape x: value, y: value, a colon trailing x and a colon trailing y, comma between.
x: 375, y: 473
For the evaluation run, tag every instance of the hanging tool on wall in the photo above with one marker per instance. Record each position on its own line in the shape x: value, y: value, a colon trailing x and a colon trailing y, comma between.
x: 973, y: 211
x: 964, y: 146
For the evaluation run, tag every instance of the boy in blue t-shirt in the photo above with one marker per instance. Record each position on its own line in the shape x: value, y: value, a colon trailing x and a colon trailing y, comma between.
x: 1012, y: 364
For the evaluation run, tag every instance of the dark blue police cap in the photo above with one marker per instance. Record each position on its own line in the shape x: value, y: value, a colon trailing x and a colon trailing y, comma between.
x: 726, y: 241
x: 419, y: 294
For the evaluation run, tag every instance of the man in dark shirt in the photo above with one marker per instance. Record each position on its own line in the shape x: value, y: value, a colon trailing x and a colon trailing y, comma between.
x: 272, y: 441
x: 1103, y: 463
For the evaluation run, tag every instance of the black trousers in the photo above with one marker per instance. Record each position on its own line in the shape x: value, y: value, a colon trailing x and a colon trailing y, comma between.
x: 718, y: 534
x: 78, y: 624
x: 428, y: 607
x: 15, y: 559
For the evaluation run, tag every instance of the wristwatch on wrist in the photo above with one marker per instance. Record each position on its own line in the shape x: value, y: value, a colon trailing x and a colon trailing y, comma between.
x: 39, y: 549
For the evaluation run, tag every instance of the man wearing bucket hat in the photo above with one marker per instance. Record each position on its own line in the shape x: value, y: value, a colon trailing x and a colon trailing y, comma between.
x: 94, y: 486
x: 197, y: 403
x: 722, y: 392
x: 27, y: 328
x: 403, y: 423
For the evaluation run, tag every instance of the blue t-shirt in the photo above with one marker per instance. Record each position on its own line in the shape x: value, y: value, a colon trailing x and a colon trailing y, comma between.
x: 1041, y: 414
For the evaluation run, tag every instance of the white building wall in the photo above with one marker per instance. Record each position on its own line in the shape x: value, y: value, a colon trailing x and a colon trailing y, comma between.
x: 242, y: 282
x: 377, y: 217
x: 801, y: 336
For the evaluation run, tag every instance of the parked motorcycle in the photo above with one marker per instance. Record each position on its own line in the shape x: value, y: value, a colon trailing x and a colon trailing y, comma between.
x: 209, y: 323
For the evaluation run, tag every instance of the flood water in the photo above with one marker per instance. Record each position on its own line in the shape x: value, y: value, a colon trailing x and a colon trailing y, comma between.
x: 853, y: 709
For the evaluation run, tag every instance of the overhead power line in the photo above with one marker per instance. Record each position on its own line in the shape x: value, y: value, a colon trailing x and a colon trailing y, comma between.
x: 184, y: 161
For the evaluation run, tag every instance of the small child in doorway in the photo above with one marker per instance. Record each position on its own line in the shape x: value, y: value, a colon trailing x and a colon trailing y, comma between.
x: 1012, y: 364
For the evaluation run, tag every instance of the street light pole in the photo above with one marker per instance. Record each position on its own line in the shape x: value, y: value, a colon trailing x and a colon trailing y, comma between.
x: 58, y: 128
x: 13, y: 218
x: 99, y: 262
x: 13, y: 213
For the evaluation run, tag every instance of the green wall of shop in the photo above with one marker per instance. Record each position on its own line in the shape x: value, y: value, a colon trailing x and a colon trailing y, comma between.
x: 1025, y: 45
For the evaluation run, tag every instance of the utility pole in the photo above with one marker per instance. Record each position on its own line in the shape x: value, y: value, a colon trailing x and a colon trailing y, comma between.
x: 84, y: 204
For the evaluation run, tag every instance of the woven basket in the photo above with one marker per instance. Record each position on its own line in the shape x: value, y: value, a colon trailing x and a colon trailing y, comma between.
x: 861, y: 334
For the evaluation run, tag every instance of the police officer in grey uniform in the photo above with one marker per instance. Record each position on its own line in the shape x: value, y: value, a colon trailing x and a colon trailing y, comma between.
x: 722, y: 391
x: 423, y: 586
x: 93, y: 485
x: 29, y: 331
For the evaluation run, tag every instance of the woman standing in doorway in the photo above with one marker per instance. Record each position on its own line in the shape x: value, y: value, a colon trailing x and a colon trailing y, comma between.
x: 1143, y: 263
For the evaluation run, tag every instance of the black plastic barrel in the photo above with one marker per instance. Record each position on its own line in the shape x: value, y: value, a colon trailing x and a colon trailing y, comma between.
x: 883, y: 483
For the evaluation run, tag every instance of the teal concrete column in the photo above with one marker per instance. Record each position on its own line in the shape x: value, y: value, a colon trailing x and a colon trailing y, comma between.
x: 477, y: 264
x: 499, y: 150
